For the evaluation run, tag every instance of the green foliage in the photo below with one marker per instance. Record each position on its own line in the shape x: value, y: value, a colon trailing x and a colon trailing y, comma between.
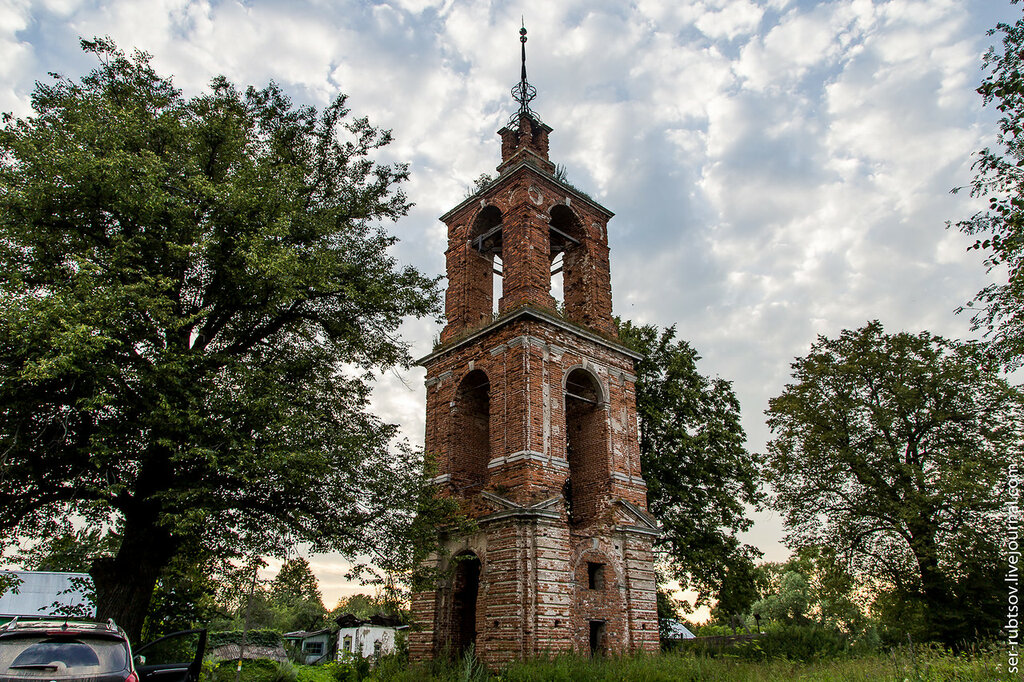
x: 364, y: 606
x: 900, y: 615
x: 67, y: 549
x: 436, y: 515
x: 288, y: 603
x: 930, y: 665
x: 805, y: 643
x: 184, y: 597
x: 892, y: 451
x: 296, y: 593
x: 999, y: 180
x: 562, y: 175
x: 255, y: 670
x: 790, y: 604
x: 9, y: 583
x: 699, y: 475
x: 479, y: 185
x: 196, y: 296
x: 77, y: 585
x: 176, y: 649
x: 738, y: 587
x: 271, y: 638
x: 668, y: 610
x: 813, y: 586
x: 295, y: 580
x: 329, y: 672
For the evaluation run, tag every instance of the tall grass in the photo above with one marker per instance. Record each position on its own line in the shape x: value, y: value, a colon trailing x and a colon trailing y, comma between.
x: 906, y: 664
x: 933, y: 667
x: 909, y: 663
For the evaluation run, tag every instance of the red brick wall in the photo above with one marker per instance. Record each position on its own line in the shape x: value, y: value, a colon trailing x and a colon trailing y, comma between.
x: 534, y: 571
x: 533, y: 595
x: 528, y: 139
x: 471, y: 451
x: 525, y: 199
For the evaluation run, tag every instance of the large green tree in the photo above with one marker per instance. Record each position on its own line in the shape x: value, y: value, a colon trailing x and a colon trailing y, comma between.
x: 693, y: 457
x: 814, y: 585
x: 893, y: 451
x: 365, y: 605
x: 999, y: 180
x: 296, y: 593
x: 195, y: 293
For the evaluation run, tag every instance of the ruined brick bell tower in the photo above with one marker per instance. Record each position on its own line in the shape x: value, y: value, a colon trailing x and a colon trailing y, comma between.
x: 531, y: 419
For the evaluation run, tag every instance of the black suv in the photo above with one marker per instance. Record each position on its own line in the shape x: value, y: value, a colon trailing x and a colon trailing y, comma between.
x: 51, y: 650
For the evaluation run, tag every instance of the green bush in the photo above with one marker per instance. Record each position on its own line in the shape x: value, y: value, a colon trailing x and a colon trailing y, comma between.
x: 351, y: 670
x: 918, y: 664
x: 805, y: 643
x: 253, y: 637
x: 315, y: 673
x: 256, y: 670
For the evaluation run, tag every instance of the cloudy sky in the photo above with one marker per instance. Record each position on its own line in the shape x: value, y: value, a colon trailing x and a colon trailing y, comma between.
x: 779, y: 169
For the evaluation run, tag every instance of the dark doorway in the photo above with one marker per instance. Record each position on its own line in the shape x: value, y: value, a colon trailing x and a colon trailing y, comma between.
x: 585, y: 447
x: 465, y: 588
x: 597, y: 632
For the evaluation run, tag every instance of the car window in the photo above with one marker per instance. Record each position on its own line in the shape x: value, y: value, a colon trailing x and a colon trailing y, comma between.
x: 54, y: 657
x: 179, y: 647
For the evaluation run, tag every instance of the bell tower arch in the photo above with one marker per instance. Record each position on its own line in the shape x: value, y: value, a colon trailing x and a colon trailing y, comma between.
x: 531, y: 418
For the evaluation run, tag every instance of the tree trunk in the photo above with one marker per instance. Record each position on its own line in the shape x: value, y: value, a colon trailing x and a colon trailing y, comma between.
x: 938, y: 599
x: 125, y: 583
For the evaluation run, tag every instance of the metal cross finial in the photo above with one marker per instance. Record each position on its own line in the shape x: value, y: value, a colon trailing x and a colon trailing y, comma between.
x: 522, y: 39
x: 523, y: 92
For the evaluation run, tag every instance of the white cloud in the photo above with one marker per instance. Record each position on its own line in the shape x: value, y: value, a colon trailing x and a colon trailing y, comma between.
x: 788, y: 50
x: 733, y: 19
x: 779, y: 168
x: 15, y: 57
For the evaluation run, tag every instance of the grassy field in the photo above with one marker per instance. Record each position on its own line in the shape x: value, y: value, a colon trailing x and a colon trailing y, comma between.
x: 911, y: 665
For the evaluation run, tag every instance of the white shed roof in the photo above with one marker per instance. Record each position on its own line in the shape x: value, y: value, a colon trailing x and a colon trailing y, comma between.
x: 43, y: 593
x: 677, y: 630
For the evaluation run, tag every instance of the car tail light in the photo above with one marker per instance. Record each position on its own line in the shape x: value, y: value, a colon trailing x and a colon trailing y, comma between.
x: 132, y: 677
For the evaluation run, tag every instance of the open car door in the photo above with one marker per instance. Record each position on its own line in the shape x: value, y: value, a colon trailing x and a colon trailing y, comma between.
x: 178, y: 657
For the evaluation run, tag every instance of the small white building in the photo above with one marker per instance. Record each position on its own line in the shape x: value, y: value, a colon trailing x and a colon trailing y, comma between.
x: 367, y: 638
x: 47, y: 593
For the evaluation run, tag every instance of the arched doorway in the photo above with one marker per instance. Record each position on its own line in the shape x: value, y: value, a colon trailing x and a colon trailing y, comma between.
x: 564, y: 234
x: 585, y: 447
x: 486, y: 272
x: 471, y: 433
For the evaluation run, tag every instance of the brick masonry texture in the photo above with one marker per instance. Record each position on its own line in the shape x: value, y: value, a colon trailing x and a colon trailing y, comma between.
x: 531, y: 422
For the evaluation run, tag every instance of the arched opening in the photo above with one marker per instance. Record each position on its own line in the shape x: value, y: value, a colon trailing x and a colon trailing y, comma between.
x: 585, y: 439
x: 471, y: 432
x: 465, y: 588
x: 485, y: 270
x: 563, y: 236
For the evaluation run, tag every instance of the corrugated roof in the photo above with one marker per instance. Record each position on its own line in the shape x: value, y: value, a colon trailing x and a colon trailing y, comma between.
x: 45, y: 593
